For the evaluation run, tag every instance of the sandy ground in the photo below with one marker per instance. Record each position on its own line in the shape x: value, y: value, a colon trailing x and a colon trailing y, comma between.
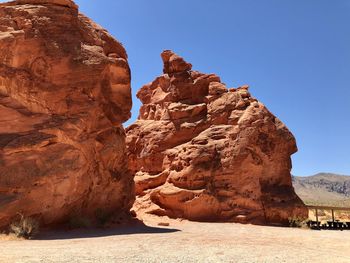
x: 182, y: 242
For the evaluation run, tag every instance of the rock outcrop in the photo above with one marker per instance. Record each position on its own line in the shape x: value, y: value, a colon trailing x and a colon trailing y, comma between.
x: 64, y: 94
x: 203, y: 152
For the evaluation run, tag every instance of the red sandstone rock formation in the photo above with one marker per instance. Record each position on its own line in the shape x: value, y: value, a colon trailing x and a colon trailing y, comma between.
x: 64, y: 93
x: 204, y: 152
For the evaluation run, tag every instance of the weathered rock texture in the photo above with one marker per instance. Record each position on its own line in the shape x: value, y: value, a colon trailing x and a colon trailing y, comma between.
x: 64, y: 92
x: 204, y: 152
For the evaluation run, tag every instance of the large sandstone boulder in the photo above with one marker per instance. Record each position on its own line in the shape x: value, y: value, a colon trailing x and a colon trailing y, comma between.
x: 64, y: 94
x: 203, y: 152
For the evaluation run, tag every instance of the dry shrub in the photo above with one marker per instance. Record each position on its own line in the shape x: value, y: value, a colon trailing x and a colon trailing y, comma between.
x: 296, y: 222
x: 26, y: 227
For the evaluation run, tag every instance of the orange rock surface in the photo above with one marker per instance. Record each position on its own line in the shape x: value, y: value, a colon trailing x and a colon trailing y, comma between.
x: 203, y: 152
x: 64, y: 94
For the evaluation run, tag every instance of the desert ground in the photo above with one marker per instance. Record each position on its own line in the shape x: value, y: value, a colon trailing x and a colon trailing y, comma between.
x: 181, y: 241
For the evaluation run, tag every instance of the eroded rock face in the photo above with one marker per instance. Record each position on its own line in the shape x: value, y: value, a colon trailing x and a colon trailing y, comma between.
x: 203, y: 152
x: 64, y: 93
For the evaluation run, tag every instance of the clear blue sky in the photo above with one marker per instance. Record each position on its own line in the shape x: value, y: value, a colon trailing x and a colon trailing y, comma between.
x: 294, y: 54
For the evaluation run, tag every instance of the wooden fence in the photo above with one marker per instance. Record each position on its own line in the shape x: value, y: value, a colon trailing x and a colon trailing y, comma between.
x: 331, y: 208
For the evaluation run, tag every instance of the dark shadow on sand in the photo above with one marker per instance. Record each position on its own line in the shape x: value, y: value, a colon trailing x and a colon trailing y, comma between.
x: 130, y: 229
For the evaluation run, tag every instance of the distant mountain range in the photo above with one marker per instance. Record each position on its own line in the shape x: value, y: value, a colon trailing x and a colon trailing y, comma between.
x: 323, y: 189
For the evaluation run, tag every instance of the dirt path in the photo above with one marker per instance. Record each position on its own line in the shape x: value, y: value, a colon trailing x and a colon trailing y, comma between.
x: 183, y: 242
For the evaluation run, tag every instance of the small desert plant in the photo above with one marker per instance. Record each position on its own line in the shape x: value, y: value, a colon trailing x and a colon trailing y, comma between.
x: 26, y: 227
x: 296, y: 222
